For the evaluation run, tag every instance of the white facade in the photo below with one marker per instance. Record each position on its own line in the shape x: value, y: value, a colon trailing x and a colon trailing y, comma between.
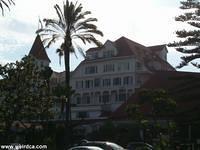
x: 108, y: 76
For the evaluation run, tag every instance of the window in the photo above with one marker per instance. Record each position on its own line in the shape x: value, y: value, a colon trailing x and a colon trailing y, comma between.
x: 88, y: 84
x: 122, y: 95
x: 113, y: 96
x: 117, y: 81
x: 107, y: 53
x: 106, y: 82
x: 77, y: 99
x: 109, y: 68
x: 128, y: 80
x: 82, y: 114
x: 91, y: 70
x: 126, y: 66
x: 123, y: 66
x: 97, y: 97
x: 105, y: 97
x: 79, y: 84
x: 97, y: 82
x: 138, y: 66
x: 95, y: 55
x: 86, y: 98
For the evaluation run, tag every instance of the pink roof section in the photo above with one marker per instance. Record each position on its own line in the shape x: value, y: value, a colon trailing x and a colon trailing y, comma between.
x: 38, y: 50
x: 157, y: 47
x: 127, y: 47
x: 172, y: 81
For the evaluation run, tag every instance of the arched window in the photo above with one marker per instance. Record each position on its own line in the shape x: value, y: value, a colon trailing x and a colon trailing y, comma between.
x: 97, y: 97
x: 106, y: 97
x: 113, y: 96
x: 77, y: 99
x: 122, y: 95
x: 86, y: 98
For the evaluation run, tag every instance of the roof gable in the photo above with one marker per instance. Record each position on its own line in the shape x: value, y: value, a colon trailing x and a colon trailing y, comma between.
x: 38, y: 51
x: 128, y: 47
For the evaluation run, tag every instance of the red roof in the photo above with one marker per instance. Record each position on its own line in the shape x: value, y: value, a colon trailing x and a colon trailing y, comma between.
x: 157, y: 47
x: 38, y: 50
x: 93, y: 49
x: 180, y: 85
x: 127, y: 47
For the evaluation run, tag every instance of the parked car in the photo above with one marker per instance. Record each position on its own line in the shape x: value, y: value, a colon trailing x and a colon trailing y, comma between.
x: 139, y: 146
x: 85, y: 148
x: 102, y: 144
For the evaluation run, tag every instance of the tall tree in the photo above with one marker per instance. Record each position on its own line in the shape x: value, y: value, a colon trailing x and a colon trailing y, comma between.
x: 24, y: 94
x: 163, y: 106
x: 190, y: 39
x: 72, y: 24
x: 7, y: 4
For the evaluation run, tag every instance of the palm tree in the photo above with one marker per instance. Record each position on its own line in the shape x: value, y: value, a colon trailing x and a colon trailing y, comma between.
x: 4, y: 3
x: 71, y: 25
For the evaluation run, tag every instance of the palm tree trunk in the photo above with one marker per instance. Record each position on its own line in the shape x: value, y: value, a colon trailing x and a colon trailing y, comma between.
x: 67, y: 94
x: 67, y: 85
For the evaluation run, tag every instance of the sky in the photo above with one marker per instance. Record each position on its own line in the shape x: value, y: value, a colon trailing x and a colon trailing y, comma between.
x: 148, y: 22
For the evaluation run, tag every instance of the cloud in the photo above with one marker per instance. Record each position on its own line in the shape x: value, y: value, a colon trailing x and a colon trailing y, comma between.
x: 18, y: 26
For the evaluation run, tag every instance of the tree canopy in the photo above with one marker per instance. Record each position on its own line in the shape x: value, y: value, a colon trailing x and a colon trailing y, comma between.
x: 189, y: 43
x: 24, y: 94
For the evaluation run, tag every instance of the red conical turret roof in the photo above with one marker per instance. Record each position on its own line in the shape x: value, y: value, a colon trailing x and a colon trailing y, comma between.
x: 38, y: 50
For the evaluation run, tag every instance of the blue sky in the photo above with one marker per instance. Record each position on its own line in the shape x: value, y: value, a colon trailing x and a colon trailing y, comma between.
x: 149, y: 22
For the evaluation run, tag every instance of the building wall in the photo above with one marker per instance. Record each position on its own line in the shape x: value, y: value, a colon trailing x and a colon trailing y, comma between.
x: 105, y: 80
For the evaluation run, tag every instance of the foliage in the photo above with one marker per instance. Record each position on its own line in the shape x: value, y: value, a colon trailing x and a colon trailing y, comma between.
x: 134, y: 112
x: 6, y: 4
x: 24, y: 94
x: 189, y: 43
x: 162, y: 103
x: 72, y: 23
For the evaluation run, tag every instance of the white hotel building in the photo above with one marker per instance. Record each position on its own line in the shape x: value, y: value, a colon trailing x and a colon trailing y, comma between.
x: 107, y: 77
x: 110, y: 74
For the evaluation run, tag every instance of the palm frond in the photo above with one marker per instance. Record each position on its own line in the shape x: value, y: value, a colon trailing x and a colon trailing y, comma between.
x: 80, y: 23
x: 82, y: 15
x: 3, y: 3
x: 60, y: 16
x: 80, y: 50
x: 86, y: 26
x: 98, y: 32
x: 71, y: 24
x: 60, y: 54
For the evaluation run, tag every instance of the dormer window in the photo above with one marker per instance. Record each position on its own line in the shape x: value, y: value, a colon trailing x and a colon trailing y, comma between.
x: 138, y: 66
x: 91, y: 70
x: 107, y: 54
x: 92, y: 55
x: 95, y: 55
